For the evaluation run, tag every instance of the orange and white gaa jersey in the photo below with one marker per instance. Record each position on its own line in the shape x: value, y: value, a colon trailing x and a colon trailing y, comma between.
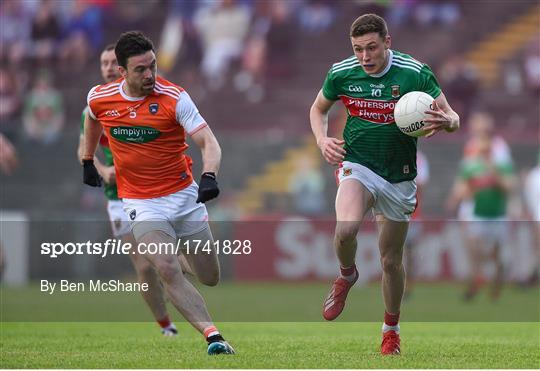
x: 147, y: 136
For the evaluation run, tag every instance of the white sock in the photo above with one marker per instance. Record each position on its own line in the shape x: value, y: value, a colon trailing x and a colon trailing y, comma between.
x: 386, y: 328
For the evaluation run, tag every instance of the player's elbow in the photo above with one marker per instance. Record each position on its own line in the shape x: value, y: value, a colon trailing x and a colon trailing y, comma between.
x: 317, y: 110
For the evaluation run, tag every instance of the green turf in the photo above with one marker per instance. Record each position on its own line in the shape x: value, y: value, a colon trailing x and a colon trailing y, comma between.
x: 272, y: 326
x: 270, y: 345
x: 275, y: 302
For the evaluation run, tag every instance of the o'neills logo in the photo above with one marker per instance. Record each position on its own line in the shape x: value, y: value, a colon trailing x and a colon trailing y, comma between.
x: 135, y: 134
x: 372, y: 110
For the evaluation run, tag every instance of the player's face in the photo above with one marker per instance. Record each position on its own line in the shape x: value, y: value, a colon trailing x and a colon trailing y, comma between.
x: 109, y: 66
x: 371, y: 51
x: 140, y: 74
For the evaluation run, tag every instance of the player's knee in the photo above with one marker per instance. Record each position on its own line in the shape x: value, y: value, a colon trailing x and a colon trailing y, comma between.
x: 346, y: 233
x: 391, y: 263
x: 168, y: 268
x: 144, y: 269
x: 210, y: 279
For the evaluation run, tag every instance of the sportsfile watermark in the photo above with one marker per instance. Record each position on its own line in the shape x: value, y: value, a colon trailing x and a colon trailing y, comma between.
x: 117, y: 247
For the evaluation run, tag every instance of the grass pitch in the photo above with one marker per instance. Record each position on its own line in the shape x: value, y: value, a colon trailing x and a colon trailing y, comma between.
x: 271, y: 326
x: 270, y: 345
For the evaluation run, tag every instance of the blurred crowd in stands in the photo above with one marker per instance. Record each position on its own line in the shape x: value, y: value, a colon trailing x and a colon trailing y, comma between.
x: 214, y: 47
x: 243, y: 44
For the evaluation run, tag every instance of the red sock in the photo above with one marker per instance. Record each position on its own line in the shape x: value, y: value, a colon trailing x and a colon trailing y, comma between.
x: 345, y: 272
x: 391, y: 319
x: 164, y: 322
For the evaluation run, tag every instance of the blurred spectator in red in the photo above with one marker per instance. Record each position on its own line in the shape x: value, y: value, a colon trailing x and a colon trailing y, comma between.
x: 10, y: 103
x: 223, y: 27
x: 45, y: 31
x: 316, y: 16
x: 43, y: 116
x: 459, y: 79
x: 15, y: 23
x: 82, y: 35
x: 532, y: 67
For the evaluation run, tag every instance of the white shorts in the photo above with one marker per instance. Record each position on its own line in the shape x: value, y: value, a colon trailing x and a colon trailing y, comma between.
x: 493, y: 230
x: 119, y: 220
x: 176, y: 214
x: 396, y: 201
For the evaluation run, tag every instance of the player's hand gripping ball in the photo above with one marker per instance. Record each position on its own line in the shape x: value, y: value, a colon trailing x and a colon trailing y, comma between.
x: 208, y: 187
x: 409, y: 113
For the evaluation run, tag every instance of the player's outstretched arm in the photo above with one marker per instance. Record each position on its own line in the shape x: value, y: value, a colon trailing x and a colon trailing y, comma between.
x: 442, y: 117
x: 331, y: 148
x: 211, y: 156
x: 92, y: 132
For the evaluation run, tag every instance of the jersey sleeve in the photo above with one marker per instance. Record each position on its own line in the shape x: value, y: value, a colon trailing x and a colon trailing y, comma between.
x: 88, y: 103
x: 188, y: 115
x: 428, y: 82
x: 329, y: 89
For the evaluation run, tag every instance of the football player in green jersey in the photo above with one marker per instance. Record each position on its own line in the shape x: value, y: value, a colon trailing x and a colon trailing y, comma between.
x: 154, y: 296
x: 377, y: 162
x: 489, y: 183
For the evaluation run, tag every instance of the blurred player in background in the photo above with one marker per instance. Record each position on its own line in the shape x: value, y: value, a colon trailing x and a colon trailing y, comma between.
x: 532, y: 198
x: 489, y: 184
x: 416, y: 226
x: 377, y: 162
x: 481, y: 129
x: 8, y: 163
x: 481, y: 125
x: 154, y: 296
x: 146, y: 119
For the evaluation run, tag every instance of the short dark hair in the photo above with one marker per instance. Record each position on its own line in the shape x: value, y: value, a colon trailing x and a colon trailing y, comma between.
x: 368, y: 23
x: 109, y: 47
x: 131, y: 43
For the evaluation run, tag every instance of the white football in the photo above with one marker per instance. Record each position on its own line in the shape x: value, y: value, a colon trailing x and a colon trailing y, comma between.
x: 409, y: 112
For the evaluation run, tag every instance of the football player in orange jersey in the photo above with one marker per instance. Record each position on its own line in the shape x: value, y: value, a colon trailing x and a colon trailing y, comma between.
x: 154, y: 296
x: 146, y: 119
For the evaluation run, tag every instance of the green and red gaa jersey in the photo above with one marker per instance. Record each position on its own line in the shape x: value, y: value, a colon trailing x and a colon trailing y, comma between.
x: 371, y: 136
x: 490, y: 200
x: 110, y: 189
